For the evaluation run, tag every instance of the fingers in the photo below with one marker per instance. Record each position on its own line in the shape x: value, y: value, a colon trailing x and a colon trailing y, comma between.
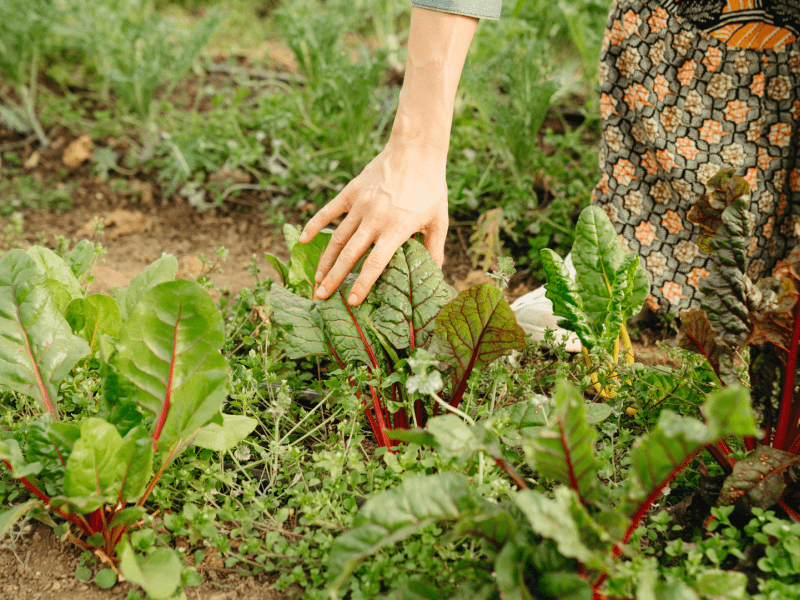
x: 434, y: 240
x: 326, y: 214
x: 338, y: 241
x: 373, y: 267
x: 355, y: 248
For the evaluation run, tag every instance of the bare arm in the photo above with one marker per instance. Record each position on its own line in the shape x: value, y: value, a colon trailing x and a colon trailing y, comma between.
x: 404, y: 189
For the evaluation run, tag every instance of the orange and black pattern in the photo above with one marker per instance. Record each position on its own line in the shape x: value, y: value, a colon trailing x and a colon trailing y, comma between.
x: 684, y: 92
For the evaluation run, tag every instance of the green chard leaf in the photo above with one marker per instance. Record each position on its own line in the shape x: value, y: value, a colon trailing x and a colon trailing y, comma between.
x: 659, y: 455
x: 410, y: 293
x: 160, y: 271
x: 92, y: 316
x: 567, y: 522
x: 105, y: 465
x: 304, y: 257
x: 473, y: 330
x: 59, y: 280
x: 564, y: 449
x: 170, y: 350
x: 610, y: 283
x: 11, y: 454
x: 38, y: 348
x: 80, y: 258
x: 398, y: 513
x: 305, y: 335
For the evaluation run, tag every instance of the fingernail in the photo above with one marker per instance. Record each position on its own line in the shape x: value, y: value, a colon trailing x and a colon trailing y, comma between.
x: 352, y: 300
x: 320, y: 291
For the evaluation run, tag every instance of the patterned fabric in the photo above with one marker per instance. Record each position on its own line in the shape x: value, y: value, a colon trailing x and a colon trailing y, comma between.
x: 678, y: 104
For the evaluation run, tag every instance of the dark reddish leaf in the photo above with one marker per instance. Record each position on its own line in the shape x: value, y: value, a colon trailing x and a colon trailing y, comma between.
x: 759, y: 480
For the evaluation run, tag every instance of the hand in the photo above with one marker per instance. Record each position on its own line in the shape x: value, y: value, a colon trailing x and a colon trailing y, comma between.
x: 401, y: 192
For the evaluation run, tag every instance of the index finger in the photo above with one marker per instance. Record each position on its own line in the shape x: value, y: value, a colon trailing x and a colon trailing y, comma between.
x: 374, y: 266
x: 326, y: 214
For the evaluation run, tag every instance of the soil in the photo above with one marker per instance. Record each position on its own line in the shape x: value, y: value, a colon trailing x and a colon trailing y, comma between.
x: 40, y: 567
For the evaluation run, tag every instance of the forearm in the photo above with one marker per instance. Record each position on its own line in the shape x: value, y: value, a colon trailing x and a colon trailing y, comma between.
x: 437, y: 48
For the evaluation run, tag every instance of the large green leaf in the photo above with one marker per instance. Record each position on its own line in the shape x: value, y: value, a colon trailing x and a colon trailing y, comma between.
x: 599, y: 259
x: 474, y: 329
x: 95, y: 466
x: 304, y: 329
x: 59, y: 279
x: 222, y: 438
x: 564, y: 449
x: 610, y: 283
x: 93, y: 316
x: 659, y: 455
x: 410, y: 292
x: 38, y: 347
x: 105, y: 466
x: 170, y: 350
x: 566, y: 521
x: 304, y: 257
x: 398, y: 513
x: 158, y: 574
x: 160, y: 271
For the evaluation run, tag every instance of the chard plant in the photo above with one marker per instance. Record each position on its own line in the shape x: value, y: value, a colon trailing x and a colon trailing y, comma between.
x: 409, y: 309
x: 610, y: 286
x: 735, y: 314
x: 163, y: 384
x: 567, y: 544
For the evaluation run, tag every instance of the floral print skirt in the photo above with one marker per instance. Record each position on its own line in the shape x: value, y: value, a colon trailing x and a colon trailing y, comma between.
x: 688, y: 88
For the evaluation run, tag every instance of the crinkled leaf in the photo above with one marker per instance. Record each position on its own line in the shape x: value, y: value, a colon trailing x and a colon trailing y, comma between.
x: 759, y: 479
x: 11, y: 453
x: 664, y: 451
x: 79, y: 259
x: 59, y: 279
x: 567, y: 302
x: 610, y: 283
x: 11, y: 516
x: 222, y: 438
x: 38, y: 348
x: 474, y: 329
x: 566, y: 521
x: 564, y: 449
x: 297, y: 315
x: 599, y: 259
x: 170, y: 350
x: 347, y: 327
x: 707, y: 211
x: 78, y: 504
x: 411, y: 292
x: 160, y: 271
x: 92, y: 316
x: 159, y: 574
x: 725, y: 289
x: 398, y: 513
